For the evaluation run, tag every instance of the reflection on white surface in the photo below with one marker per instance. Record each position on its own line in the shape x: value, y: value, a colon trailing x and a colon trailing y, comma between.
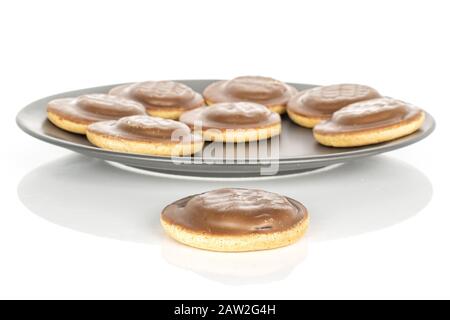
x: 236, y: 268
x: 91, y: 196
x: 229, y: 179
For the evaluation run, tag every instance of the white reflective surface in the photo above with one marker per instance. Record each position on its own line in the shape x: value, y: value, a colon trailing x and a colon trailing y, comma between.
x: 92, y: 196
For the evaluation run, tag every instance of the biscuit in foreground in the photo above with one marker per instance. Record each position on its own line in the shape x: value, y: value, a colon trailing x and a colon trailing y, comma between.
x: 235, y: 220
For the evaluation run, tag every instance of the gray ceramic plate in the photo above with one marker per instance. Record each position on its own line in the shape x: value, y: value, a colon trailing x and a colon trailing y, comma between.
x: 297, y: 149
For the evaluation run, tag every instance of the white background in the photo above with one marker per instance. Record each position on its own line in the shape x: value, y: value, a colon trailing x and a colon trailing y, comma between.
x: 380, y: 228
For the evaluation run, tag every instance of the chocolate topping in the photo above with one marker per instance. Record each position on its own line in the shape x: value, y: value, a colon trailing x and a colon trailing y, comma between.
x: 322, y: 102
x: 370, y: 114
x: 234, y: 115
x: 161, y: 94
x: 151, y: 126
x: 259, y: 88
x: 145, y: 128
x: 267, y: 91
x: 95, y: 107
x: 235, y: 212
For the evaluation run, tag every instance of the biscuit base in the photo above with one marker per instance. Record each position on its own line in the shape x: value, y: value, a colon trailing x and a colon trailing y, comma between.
x: 368, y: 137
x: 141, y: 147
x: 65, y: 124
x: 280, y: 109
x: 304, y: 121
x: 173, y: 114
x: 241, y: 243
x: 241, y: 135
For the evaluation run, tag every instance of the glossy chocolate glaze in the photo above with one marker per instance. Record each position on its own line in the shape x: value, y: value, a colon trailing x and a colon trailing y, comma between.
x: 92, y: 108
x: 369, y: 115
x: 161, y: 94
x: 322, y: 102
x: 263, y: 90
x: 235, y: 212
x: 233, y: 115
x: 146, y: 128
